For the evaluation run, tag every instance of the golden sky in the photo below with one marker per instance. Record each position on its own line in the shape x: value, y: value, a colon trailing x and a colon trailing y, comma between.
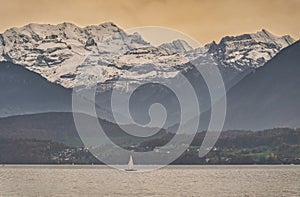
x: 204, y: 20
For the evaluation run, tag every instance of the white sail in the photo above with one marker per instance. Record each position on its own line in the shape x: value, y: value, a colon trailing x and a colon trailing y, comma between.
x: 130, y: 163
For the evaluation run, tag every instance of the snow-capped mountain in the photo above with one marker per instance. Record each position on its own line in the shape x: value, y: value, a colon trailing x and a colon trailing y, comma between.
x: 70, y: 56
x: 147, y: 63
x: 235, y: 56
x: 248, y: 50
x: 56, y: 51
x: 61, y: 52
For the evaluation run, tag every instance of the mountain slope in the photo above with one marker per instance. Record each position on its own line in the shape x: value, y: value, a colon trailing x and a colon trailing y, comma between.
x: 268, y: 97
x: 23, y: 91
x: 60, y: 127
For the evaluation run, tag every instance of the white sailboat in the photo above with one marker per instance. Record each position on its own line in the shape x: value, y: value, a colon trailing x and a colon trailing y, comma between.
x: 130, y: 164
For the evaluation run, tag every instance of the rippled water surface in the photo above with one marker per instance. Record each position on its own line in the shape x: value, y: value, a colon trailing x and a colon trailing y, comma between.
x: 171, y: 181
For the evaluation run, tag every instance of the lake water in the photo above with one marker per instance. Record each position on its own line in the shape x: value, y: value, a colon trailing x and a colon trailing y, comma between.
x: 170, y: 181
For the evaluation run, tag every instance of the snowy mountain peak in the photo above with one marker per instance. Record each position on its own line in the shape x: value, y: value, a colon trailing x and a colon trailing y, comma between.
x: 266, y: 37
x: 56, y: 51
x: 177, y: 46
x: 262, y: 36
x: 264, y: 32
x: 288, y: 39
x: 109, y: 25
x: 248, y: 50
